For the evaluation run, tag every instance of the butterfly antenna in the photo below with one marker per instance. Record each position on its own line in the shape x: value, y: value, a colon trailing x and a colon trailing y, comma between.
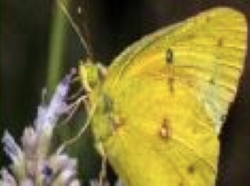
x: 63, y: 6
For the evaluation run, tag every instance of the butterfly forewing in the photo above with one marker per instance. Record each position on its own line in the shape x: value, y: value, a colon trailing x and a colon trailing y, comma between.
x: 208, y: 54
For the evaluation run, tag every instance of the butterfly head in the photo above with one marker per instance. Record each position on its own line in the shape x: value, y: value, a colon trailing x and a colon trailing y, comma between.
x: 91, y: 74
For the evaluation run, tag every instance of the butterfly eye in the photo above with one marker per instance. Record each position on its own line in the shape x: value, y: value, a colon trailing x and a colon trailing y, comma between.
x: 89, y: 74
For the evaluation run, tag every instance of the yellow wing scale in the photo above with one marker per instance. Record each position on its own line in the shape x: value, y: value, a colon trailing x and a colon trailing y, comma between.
x: 158, y: 116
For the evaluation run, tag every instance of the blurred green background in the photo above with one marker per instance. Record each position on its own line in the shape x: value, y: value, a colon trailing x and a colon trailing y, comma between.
x: 38, y: 47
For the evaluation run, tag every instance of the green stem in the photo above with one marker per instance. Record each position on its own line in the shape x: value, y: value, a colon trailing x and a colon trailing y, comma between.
x: 57, y: 47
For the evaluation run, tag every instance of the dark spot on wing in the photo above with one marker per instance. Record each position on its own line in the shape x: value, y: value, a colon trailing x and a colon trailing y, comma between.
x: 220, y: 42
x: 169, y: 56
x: 171, y: 84
x: 191, y: 169
x: 170, y: 73
x: 164, y: 129
x: 212, y: 81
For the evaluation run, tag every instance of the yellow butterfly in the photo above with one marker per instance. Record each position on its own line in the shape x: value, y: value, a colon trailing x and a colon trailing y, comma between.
x: 158, y: 111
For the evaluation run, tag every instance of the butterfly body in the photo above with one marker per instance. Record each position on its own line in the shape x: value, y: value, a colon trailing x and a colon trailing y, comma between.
x: 160, y: 109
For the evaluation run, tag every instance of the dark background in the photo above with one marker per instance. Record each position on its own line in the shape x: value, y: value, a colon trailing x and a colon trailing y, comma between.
x: 113, y: 25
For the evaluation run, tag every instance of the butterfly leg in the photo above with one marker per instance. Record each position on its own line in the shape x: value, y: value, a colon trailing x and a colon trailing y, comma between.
x: 103, y: 173
x: 72, y: 109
